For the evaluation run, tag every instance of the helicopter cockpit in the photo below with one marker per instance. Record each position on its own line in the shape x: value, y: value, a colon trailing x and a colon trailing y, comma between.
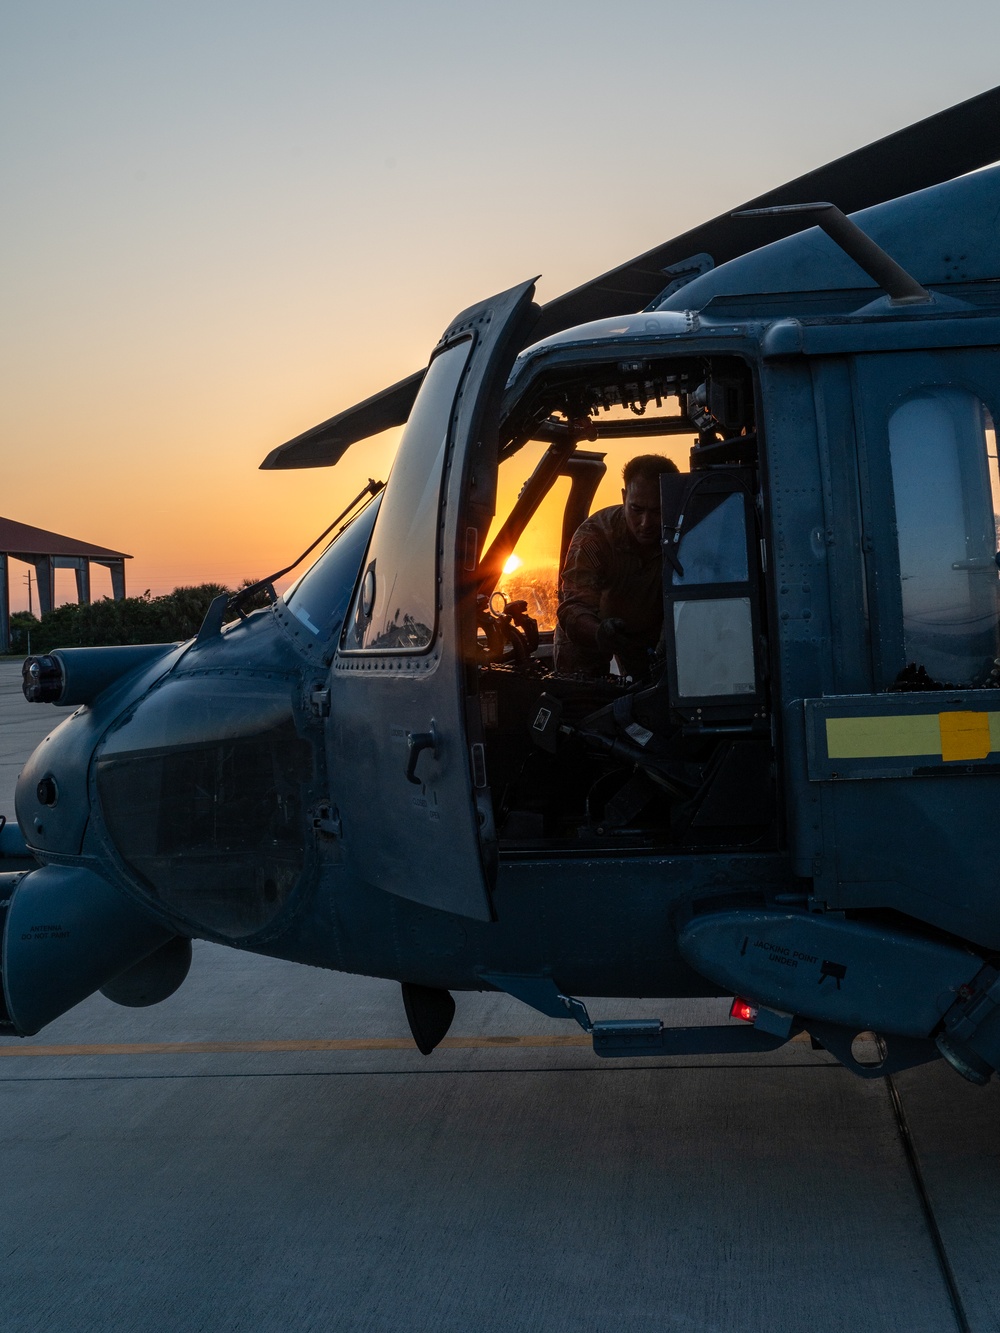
x: 680, y: 756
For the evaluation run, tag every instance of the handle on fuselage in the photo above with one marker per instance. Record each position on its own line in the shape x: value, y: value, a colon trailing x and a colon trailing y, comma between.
x: 416, y: 743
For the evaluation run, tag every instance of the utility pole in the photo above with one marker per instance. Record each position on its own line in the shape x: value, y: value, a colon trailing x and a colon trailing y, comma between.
x: 27, y: 579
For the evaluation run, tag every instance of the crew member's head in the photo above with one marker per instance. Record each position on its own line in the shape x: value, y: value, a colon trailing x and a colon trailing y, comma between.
x: 641, y: 496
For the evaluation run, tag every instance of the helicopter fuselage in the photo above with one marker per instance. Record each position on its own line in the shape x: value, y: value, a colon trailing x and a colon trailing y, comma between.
x: 379, y: 773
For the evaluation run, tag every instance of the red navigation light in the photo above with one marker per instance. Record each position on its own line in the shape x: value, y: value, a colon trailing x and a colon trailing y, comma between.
x: 743, y: 1010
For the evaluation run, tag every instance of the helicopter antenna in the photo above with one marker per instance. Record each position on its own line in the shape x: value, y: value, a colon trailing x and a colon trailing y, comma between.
x: 237, y: 600
x: 900, y: 286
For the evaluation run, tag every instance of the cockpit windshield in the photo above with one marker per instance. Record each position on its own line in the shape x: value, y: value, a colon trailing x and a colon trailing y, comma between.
x: 320, y: 598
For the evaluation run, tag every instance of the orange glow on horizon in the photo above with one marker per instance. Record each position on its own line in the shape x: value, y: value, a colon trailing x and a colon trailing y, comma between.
x: 222, y: 520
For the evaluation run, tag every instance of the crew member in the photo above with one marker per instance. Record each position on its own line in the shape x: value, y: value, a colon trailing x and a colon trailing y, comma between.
x: 611, y: 587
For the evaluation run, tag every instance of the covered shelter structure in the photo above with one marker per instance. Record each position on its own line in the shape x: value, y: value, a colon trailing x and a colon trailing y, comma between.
x: 47, y: 552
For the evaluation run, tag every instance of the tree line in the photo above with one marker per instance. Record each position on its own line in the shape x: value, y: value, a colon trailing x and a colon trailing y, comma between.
x: 168, y: 619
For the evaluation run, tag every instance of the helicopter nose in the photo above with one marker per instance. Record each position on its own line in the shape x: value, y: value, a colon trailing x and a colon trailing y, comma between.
x: 51, y: 799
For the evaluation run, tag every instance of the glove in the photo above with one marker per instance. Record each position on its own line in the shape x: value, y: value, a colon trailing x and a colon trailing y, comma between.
x: 613, y: 636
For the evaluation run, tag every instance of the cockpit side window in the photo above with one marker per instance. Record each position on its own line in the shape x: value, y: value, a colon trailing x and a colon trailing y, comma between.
x: 395, y: 607
x: 946, y: 489
x: 710, y: 595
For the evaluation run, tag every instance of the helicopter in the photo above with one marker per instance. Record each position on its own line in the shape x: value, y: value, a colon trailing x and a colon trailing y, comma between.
x: 381, y: 771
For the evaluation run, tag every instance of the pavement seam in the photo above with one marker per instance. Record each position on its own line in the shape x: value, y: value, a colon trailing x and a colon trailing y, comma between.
x: 927, y: 1208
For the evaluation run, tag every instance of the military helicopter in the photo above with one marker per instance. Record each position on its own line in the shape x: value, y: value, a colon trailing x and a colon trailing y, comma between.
x: 381, y: 771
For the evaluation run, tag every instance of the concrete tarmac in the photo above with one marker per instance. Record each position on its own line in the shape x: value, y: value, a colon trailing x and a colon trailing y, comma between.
x: 267, y: 1151
x: 22, y: 727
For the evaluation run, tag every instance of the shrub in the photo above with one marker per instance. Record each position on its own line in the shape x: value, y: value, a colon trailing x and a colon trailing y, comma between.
x: 168, y: 619
x: 23, y: 624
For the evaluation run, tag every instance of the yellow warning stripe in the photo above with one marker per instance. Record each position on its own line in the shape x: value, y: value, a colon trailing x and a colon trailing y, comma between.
x: 951, y: 736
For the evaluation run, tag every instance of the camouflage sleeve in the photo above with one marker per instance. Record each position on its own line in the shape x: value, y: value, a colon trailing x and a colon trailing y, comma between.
x: 584, y: 577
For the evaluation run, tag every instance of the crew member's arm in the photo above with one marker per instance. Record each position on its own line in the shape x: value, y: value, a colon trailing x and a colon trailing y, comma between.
x: 585, y: 575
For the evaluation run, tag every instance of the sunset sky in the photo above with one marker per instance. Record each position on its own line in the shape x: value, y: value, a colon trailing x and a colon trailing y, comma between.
x: 223, y: 222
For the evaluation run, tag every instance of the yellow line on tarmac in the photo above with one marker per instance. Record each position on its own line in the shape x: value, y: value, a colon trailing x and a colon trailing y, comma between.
x: 276, y: 1047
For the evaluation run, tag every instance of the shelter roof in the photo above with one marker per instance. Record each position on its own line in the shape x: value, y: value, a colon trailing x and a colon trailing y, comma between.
x: 18, y: 539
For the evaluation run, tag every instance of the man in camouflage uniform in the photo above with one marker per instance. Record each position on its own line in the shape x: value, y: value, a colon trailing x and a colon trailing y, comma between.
x: 611, y: 587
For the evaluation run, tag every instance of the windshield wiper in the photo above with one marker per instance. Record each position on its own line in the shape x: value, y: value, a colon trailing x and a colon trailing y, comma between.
x: 266, y: 586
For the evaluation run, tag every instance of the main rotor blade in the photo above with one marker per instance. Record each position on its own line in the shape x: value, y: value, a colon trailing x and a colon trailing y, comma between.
x: 950, y: 143
x: 326, y: 444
